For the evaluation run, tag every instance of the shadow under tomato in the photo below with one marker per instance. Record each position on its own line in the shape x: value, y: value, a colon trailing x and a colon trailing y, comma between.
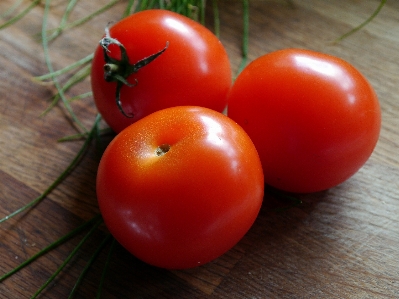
x: 293, y: 235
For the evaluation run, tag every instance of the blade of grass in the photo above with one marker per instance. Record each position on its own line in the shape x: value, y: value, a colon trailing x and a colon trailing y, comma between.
x: 161, y: 4
x: 72, y: 114
x: 81, y: 96
x: 89, y: 264
x: 62, y: 176
x: 66, y: 69
x: 130, y: 8
x: 245, y: 37
x: 104, y: 272
x: 53, y: 245
x: 203, y: 7
x: 10, y: 10
x: 76, y: 78
x: 193, y: 11
x: 20, y: 15
x: 178, y: 7
x: 64, y: 19
x: 90, y: 16
x: 216, y: 18
x: 99, y: 143
x: 143, y: 4
x: 70, y: 256
x: 367, y: 21
x: 97, y: 134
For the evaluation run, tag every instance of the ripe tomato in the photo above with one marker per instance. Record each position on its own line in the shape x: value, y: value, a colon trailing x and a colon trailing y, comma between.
x: 313, y: 118
x: 191, y: 67
x: 180, y: 187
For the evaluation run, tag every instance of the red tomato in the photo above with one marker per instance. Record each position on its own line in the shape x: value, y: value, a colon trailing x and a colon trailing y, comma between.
x: 193, y: 69
x: 313, y: 118
x: 180, y: 187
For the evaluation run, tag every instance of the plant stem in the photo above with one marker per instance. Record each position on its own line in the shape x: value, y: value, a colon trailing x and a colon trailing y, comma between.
x: 245, y: 37
x: 100, y: 285
x: 81, y: 96
x: 70, y: 256
x: 203, y: 4
x: 76, y: 78
x: 10, y: 10
x: 216, y: 18
x: 357, y: 28
x: 53, y: 245
x: 74, y: 118
x: 90, y: 16
x: 88, y: 265
x: 62, y: 176
x: 130, y: 7
x: 20, y: 15
x: 97, y: 134
x: 60, y: 28
x: 66, y: 69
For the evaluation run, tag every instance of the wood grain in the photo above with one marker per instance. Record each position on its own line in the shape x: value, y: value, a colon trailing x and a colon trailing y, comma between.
x: 340, y: 243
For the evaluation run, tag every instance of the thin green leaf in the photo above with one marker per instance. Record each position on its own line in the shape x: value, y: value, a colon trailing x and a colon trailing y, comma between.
x: 144, y: 4
x: 66, y: 69
x: 203, y: 7
x: 357, y: 28
x: 99, y: 132
x: 62, y: 176
x: 90, y: 16
x: 245, y: 37
x: 89, y: 264
x: 70, y: 256
x: 50, y: 247
x: 129, y: 8
x: 161, y: 4
x: 81, y: 96
x: 216, y: 18
x: 79, y: 76
x: 20, y: 15
x: 99, y: 143
x: 74, y: 118
x: 64, y: 19
x: 11, y: 10
x: 106, y: 265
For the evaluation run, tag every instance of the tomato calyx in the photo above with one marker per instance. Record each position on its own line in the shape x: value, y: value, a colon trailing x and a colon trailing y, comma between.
x: 119, y: 70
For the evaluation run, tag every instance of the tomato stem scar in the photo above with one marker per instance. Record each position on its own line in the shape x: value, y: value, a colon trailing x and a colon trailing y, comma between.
x: 162, y: 149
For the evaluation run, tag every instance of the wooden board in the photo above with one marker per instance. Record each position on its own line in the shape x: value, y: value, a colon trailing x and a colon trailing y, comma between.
x: 341, y: 243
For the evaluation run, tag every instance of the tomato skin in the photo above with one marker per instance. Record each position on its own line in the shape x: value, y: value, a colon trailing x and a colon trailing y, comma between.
x: 194, y: 69
x: 190, y: 205
x: 313, y: 118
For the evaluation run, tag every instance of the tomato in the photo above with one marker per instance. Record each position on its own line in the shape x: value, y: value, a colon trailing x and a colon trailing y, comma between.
x: 190, y: 67
x: 180, y: 187
x: 313, y: 118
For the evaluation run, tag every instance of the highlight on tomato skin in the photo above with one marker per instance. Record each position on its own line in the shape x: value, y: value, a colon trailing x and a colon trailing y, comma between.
x: 193, y: 67
x: 314, y: 118
x: 180, y: 187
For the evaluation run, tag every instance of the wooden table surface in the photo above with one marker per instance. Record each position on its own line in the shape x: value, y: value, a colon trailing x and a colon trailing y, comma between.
x: 341, y: 243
